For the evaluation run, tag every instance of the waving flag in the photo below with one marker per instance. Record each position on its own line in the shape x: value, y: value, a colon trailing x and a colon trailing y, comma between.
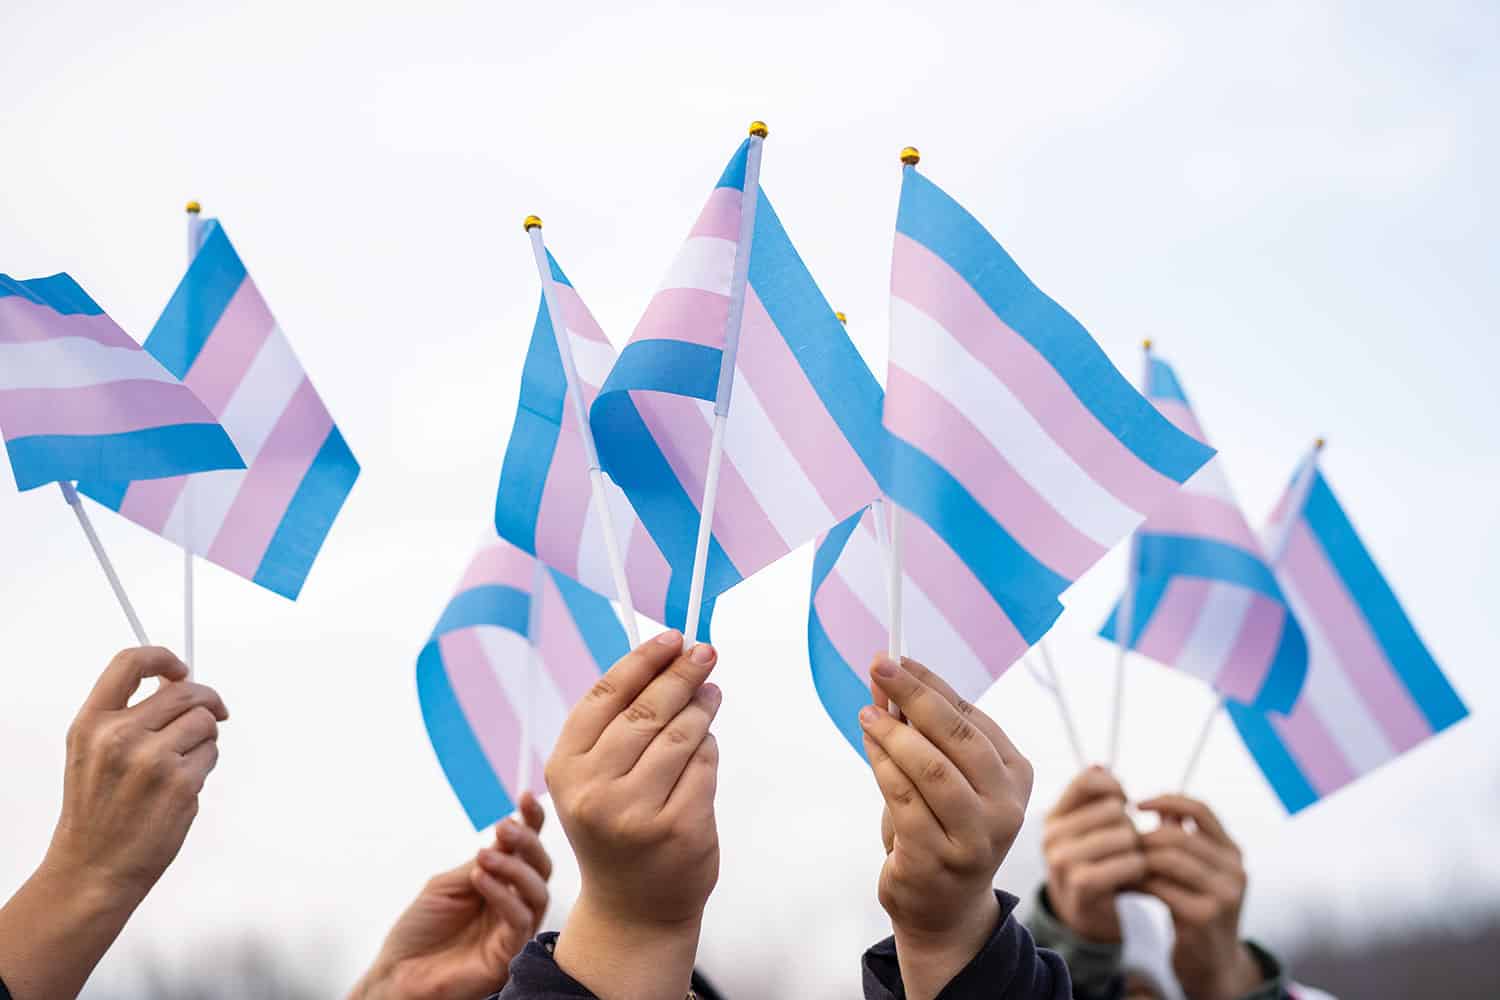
x: 79, y: 399
x: 1205, y: 600
x: 545, y: 505
x: 950, y: 620
x: 1014, y: 439
x: 267, y: 522
x: 805, y: 424
x: 1373, y: 691
x: 516, y: 647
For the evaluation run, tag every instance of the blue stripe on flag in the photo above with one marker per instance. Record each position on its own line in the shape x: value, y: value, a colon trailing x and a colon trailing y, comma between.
x: 111, y: 495
x: 533, y: 438
x: 212, y: 279
x: 839, y: 686
x: 596, y: 620
x: 1440, y: 704
x: 819, y: 342
x: 734, y: 174
x: 492, y: 604
x: 1276, y: 762
x: 1148, y: 595
x: 58, y: 292
x: 308, y: 518
x: 932, y: 218
x: 150, y: 453
x: 457, y: 748
x: 557, y: 272
x: 1283, y: 683
x: 1182, y: 555
x: 1022, y: 586
x: 1161, y: 382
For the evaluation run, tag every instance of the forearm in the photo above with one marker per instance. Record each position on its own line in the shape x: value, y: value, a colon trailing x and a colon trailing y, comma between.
x: 55, y: 929
x: 624, y: 960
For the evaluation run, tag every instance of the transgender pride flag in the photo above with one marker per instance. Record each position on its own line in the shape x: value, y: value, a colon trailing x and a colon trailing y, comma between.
x: 804, y: 424
x: 1373, y: 691
x: 80, y: 399
x: 545, y: 504
x: 1015, y: 442
x: 516, y: 647
x: 1204, y: 598
x: 267, y: 522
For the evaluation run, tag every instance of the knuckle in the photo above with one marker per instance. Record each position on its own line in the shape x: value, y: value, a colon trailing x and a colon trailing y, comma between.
x: 603, y: 689
x: 640, y: 711
x: 677, y: 735
x: 965, y: 708
x: 961, y: 731
x: 904, y: 796
x: 936, y: 772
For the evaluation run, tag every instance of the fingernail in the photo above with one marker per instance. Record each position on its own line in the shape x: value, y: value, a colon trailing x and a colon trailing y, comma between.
x: 703, y: 654
x: 885, y: 667
x: 868, y: 715
x: 670, y: 637
x: 713, y: 693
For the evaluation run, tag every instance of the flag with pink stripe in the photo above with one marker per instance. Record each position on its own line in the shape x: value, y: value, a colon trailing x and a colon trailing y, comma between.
x: 804, y: 428
x: 1373, y: 690
x: 516, y: 647
x: 79, y: 399
x: 1204, y: 599
x: 545, y: 504
x: 949, y: 619
x: 267, y: 521
x: 1012, y: 436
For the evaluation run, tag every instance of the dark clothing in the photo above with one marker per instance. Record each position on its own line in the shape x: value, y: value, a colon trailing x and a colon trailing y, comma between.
x: 1096, y: 970
x: 1008, y: 967
x: 4, y: 993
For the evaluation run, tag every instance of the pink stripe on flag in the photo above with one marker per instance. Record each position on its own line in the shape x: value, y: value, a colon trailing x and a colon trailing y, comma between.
x: 691, y: 315
x: 576, y: 315
x: 740, y: 525
x: 231, y: 348
x: 649, y: 573
x: 953, y: 588
x: 107, y: 408
x: 1243, y: 672
x: 563, y: 513
x: 720, y: 216
x: 934, y: 425
x: 1358, y: 652
x: 925, y: 281
x: 1314, y: 749
x: 799, y: 415
x: 482, y: 699
x: 562, y: 648
x: 499, y: 564
x: 1195, y: 515
x: 272, y: 481
x: 855, y: 632
x: 1174, y: 619
x: 1181, y: 415
x: 149, y: 502
x: 25, y: 322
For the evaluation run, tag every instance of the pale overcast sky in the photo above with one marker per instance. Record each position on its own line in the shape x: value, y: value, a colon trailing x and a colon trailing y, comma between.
x: 1296, y: 199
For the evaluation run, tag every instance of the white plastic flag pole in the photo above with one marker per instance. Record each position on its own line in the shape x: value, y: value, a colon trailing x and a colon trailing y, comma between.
x: 591, y: 454
x: 1124, y: 623
x: 194, y: 233
x: 749, y: 198
x: 1048, y: 677
x: 74, y: 501
x: 533, y: 664
x: 1200, y: 744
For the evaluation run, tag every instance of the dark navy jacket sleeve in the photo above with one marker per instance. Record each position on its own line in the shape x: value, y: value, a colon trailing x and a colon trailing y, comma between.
x: 535, y: 975
x: 1009, y: 967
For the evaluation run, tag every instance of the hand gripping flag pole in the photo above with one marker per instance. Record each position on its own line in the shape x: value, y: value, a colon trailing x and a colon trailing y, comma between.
x: 749, y: 198
x: 76, y: 502
x: 555, y: 317
x: 194, y: 238
x: 1275, y: 548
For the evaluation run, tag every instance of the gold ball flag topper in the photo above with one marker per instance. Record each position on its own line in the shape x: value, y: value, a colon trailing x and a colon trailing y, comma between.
x: 1146, y: 344
x: 193, y: 208
x: 758, y: 129
x: 532, y: 222
x: 841, y: 317
x: 910, y: 156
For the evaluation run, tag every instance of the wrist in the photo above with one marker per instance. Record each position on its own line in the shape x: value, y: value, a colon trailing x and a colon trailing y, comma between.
x: 1244, y: 974
x: 623, y: 957
x: 931, y: 957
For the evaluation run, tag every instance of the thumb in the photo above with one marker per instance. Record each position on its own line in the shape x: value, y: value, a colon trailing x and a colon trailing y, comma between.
x: 126, y: 671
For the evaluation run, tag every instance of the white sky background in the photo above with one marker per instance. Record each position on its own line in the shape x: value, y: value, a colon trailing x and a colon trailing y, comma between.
x: 1296, y: 201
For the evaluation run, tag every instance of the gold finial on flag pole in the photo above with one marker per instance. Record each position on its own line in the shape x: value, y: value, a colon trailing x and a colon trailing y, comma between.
x: 532, y: 222
x: 193, y: 208
x: 758, y: 128
x: 1146, y: 344
x: 841, y: 318
x: 1318, y: 443
x: 910, y: 156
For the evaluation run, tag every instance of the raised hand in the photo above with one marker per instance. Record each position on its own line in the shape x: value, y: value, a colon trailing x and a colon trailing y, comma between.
x: 457, y: 938
x: 633, y: 779
x: 1093, y: 853
x: 955, y: 790
x: 1194, y: 867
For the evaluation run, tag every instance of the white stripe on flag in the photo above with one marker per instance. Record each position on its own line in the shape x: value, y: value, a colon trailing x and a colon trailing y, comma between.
x: 1210, y: 481
x: 593, y: 559
x: 73, y: 363
x: 509, y: 656
x: 593, y: 360
x: 704, y: 262
x: 925, y: 349
x: 262, y: 395
x: 1215, y: 631
x: 213, y: 493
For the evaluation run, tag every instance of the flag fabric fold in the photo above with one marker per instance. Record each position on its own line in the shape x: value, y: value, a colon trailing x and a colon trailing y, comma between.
x: 1204, y: 598
x: 80, y: 400
x: 267, y: 521
x: 517, y: 646
x: 545, y: 504
x: 1373, y: 690
x: 803, y: 432
x: 1013, y: 439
